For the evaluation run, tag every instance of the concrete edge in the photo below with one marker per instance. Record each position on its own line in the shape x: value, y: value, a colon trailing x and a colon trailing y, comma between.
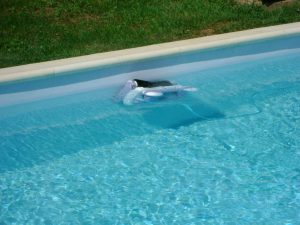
x: 55, y: 67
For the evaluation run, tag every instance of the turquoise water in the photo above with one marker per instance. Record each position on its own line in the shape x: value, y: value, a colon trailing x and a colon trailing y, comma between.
x: 227, y: 154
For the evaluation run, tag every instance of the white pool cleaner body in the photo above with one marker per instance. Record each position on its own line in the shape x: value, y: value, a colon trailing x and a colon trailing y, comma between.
x: 135, y: 91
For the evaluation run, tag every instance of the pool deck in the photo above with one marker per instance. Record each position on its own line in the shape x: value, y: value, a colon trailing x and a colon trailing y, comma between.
x: 56, y: 67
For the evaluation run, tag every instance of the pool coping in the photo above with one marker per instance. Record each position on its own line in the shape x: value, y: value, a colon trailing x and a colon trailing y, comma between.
x: 56, y: 67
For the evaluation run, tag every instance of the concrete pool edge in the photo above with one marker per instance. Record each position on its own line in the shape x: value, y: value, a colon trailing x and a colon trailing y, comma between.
x: 55, y: 67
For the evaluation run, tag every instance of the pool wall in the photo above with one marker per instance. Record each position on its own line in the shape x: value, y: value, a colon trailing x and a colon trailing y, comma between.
x: 58, y: 67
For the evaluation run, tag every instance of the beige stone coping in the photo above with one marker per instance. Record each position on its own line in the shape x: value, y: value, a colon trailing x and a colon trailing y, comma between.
x: 55, y: 67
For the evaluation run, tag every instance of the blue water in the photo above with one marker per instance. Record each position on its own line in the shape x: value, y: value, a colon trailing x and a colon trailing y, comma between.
x: 227, y: 154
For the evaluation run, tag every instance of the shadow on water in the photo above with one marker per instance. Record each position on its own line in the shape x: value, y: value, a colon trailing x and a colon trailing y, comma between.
x: 180, y: 113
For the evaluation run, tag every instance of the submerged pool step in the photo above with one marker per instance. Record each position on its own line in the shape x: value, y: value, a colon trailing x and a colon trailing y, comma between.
x: 25, y: 148
x: 35, y: 146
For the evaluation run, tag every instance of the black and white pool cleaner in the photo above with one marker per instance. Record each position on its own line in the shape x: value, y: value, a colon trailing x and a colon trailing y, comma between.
x: 136, y: 90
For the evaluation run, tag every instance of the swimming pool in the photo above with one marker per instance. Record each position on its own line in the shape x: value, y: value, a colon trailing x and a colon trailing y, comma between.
x: 227, y: 154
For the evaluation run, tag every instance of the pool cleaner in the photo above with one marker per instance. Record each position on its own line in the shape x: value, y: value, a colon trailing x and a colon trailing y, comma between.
x: 135, y: 91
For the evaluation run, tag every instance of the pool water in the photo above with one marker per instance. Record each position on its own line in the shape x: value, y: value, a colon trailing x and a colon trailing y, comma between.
x: 226, y: 154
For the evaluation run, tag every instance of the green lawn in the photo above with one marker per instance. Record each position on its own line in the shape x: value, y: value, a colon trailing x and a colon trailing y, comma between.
x: 41, y: 30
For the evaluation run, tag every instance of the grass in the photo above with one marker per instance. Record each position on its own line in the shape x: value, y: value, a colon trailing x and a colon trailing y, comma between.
x: 41, y: 30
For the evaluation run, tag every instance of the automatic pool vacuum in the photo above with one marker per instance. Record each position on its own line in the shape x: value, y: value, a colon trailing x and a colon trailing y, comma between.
x: 135, y: 91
